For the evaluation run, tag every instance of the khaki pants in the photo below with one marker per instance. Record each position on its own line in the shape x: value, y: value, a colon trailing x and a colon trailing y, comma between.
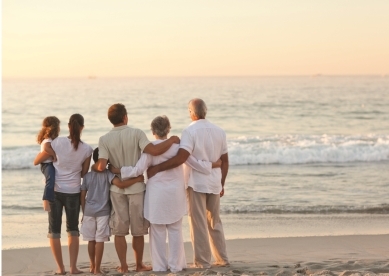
x: 206, y: 229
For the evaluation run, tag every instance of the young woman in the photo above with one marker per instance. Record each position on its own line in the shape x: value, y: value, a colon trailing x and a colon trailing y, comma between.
x: 73, y: 160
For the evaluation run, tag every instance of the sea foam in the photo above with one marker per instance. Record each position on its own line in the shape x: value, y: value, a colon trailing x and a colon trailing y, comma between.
x: 276, y: 149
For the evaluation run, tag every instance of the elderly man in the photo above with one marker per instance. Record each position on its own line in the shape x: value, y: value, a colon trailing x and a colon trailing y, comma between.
x: 205, y: 141
x: 122, y: 146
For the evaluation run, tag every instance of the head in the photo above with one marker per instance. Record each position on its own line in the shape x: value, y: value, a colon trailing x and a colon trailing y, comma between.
x: 160, y: 126
x: 117, y: 114
x: 197, y: 109
x: 50, y: 129
x: 76, y: 125
x: 96, y: 154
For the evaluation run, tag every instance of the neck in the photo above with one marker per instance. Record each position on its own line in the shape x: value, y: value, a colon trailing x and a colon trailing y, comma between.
x: 121, y: 124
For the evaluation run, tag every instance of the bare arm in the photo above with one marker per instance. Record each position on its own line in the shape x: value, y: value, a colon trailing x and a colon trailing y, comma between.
x: 126, y: 183
x: 85, y: 166
x: 177, y: 160
x: 100, y: 165
x: 42, y: 156
x: 160, y: 148
x: 83, y: 200
x: 224, y: 168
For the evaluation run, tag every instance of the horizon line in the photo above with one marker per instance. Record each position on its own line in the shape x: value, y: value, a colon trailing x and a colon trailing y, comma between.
x: 94, y: 77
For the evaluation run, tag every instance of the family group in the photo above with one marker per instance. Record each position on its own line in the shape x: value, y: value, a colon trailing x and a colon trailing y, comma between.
x: 183, y: 176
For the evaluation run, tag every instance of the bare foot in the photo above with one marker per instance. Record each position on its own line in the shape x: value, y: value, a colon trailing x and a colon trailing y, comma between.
x: 76, y: 271
x: 122, y: 269
x: 144, y: 267
x: 46, y: 206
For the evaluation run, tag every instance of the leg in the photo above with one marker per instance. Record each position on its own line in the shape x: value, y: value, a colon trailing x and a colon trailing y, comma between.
x: 48, y: 171
x: 88, y: 230
x: 120, y: 223
x: 72, y: 210
x: 215, y: 230
x: 177, y: 259
x: 99, y: 256
x: 121, y: 251
x: 102, y: 234
x: 139, y: 228
x: 73, y: 243
x: 55, y: 222
x: 198, y: 228
x: 92, y: 254
x: 158, y: 247
x: 55, y: 245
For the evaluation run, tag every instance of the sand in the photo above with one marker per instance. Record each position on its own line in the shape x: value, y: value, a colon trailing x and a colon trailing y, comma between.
x: 330, y: 255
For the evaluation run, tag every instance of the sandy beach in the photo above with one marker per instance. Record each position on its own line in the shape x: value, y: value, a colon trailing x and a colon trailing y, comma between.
x: 329, y: 255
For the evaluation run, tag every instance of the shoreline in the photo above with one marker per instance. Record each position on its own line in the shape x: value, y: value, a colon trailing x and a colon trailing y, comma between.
x: 320, y: 255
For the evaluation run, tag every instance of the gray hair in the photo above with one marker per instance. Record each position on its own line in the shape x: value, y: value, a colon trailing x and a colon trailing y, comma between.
x: 160, y: 126
x: 199, y: 108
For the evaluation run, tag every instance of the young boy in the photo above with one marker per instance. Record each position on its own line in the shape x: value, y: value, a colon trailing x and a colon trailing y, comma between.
x: 96, y: 209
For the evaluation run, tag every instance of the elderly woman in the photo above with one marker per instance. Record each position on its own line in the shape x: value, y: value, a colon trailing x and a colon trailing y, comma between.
x: 165, y: 200
x: 73, y: 160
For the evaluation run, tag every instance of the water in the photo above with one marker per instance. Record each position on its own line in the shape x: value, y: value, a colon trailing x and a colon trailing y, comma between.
x: 309, y: 156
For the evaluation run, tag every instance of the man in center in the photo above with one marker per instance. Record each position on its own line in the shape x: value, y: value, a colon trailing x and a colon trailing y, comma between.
x: 122, y: 146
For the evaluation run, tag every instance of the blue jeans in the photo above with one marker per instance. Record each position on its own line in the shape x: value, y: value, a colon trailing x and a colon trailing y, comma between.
x: 71, y: 202
x: 48, y: 171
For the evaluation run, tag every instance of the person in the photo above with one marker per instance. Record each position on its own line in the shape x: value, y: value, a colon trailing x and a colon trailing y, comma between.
x: 95, y: 205
x: 205, y: 141
x: 73, y: 161
x: 49, y: 131
x: 123, y: 146
x: 165, y: 200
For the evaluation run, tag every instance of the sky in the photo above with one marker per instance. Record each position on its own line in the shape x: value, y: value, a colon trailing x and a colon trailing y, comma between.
x: 50, y: 39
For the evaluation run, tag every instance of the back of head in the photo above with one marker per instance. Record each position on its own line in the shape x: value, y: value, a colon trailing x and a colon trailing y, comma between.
x: 199, y: 108
x: 116, y: 113
x: 50, y: 129
x: 160, y: 126
x: 76, y: 123
x: 96, y: 154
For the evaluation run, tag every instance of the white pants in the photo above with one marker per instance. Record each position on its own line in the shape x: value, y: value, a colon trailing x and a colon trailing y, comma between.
x: 158, y: 248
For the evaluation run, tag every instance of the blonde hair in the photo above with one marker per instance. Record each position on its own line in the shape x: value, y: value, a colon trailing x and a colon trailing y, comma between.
x: 50, y: 129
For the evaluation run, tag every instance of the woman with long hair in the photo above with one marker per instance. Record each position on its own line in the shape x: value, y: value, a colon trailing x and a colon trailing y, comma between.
x: 73, y: 161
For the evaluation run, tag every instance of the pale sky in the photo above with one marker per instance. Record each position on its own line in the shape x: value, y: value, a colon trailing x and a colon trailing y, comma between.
x: 44, y: 39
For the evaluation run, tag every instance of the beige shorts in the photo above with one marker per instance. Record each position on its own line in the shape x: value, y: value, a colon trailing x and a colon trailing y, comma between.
x: 127, y: 211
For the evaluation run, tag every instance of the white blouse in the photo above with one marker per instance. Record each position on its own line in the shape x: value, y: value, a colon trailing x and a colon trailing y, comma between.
x: 165, y: 199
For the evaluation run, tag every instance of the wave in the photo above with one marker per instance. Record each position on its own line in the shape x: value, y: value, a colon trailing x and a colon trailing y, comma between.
x: 264, y: 209
x: 276, y: 149
x: 322, y: 209
x: 303, y: 149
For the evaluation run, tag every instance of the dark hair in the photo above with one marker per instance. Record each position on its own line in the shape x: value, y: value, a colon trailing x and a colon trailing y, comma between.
x: 160, y: 126
x: 116, y: 113
x: 50, y: 129
x: 96, y: 154
x: 76, y: 123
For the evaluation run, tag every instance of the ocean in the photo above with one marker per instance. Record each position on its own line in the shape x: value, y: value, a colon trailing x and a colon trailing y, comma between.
x: 309, y: 155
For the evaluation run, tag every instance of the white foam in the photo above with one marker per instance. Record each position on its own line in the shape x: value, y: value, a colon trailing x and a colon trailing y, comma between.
x: 277, y: 149
x: 300, y: 149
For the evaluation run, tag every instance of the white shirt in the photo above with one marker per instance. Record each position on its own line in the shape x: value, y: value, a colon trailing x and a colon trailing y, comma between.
x: 204, y: 141
x: 165, y: 199
x: 69, y: 164
x: 47, y: 140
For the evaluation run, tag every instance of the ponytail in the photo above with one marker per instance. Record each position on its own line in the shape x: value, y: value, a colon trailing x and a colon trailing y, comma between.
x: 76, y: 123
